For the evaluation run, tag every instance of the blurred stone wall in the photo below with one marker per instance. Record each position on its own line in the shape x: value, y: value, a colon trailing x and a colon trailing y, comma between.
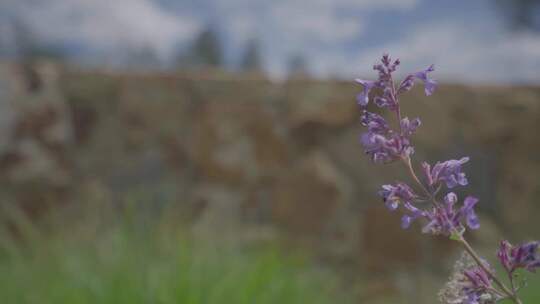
x: 243, y: 156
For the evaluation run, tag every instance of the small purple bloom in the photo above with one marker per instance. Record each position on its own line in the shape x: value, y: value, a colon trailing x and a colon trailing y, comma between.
x: 374, y: 122
x: 386, y: 148
x: 363, y: 97
x: 408, y: 127
x: 429, y: 84
x: 477, y: 286
x: 468, y: 211
x: 393, y: 195
x: 450, y: 199
x: 521, y: 256
x: 381, y: 102
x: 386, y: 69
x: 375, y: 146
x: 441, y: 220
x: 401, y: 193
x: 478, y: 277
x: 386, y: 59
x: 504, y: 255
x: 446, y: 220
x: 448, y: 171
x: 427, y: 172
x: 388, y: 98
x: 406, y: 85
x: 413, y: 214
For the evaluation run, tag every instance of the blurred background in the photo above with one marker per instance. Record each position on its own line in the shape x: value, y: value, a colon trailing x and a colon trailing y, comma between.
x: 159, y: 151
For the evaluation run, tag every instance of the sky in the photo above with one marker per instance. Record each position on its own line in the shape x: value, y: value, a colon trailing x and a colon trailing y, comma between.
x: 468, y: 41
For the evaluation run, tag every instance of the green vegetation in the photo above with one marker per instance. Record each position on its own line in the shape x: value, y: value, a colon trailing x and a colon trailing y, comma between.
x: 146, y: 263
x: 531, y: 292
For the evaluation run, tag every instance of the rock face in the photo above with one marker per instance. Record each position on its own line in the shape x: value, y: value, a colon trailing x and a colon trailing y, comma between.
x: 35, y: 160
x: 229, y: 151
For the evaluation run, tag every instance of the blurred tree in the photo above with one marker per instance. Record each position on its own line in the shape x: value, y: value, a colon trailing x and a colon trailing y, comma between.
x: 142, y: 57
x: 521, y: 14
x: 298, y: 66
x: 206, y: 50
x: 27, y: 46
x: 28, y: 51
x: 251, y: 60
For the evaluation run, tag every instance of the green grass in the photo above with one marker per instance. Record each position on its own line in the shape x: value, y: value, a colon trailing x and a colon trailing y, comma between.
x: 531, y: 292
x: 146, y: 263
x: 116, y: 258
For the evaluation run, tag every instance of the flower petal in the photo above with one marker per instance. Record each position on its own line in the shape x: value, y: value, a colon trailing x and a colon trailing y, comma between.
x: 468, y: 212
x: 363, y: 97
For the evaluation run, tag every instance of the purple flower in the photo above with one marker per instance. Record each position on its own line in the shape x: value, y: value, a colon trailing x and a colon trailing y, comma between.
x: 401, y: 193
x: 374, y: 122
x: 445, y: 219
x: 406, y: 85
x: 386, y: 69
x: 442, y: 218
x: 388, y: 98
x: 413, y: 214
x: 477, y: 286
x: 429, y: 84
x: 448, y: 171
x: 385, y: 145
x: 381, y: 143
x: 363, y: 97
x: 393, y: 195
x: 408, y: 127
x: 385, y: 148
x: 468, y: 212
x: 521, y: 256
x: 478, y: 278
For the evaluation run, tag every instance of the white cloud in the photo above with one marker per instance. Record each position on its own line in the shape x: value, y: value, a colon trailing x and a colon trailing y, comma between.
x: 314, y: 28
x: 321, y: 25
x: 110, y: 24
x: 322, y: 30
x: 325, y: 4
x: 304, y: 19
x: 363, y: 4
x: 460, y: 53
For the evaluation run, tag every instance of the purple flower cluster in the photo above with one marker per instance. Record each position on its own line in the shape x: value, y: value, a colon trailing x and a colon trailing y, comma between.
x: 380, y: 142
x: 448, y: 172
x: 384, y: 144
x: 443, y: 219
x: 447, y: 219
x: 523, y: 256
x: 393, y: 195
x: 474, y: 282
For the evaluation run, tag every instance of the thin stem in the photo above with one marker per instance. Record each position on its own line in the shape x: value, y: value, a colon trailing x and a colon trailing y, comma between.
x: 511, y: 279
x: 396, y: 100
x: 498, y: 292
x: 408, y: 163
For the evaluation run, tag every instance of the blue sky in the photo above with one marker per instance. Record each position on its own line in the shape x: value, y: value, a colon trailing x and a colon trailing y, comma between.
x: 468, y: 41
